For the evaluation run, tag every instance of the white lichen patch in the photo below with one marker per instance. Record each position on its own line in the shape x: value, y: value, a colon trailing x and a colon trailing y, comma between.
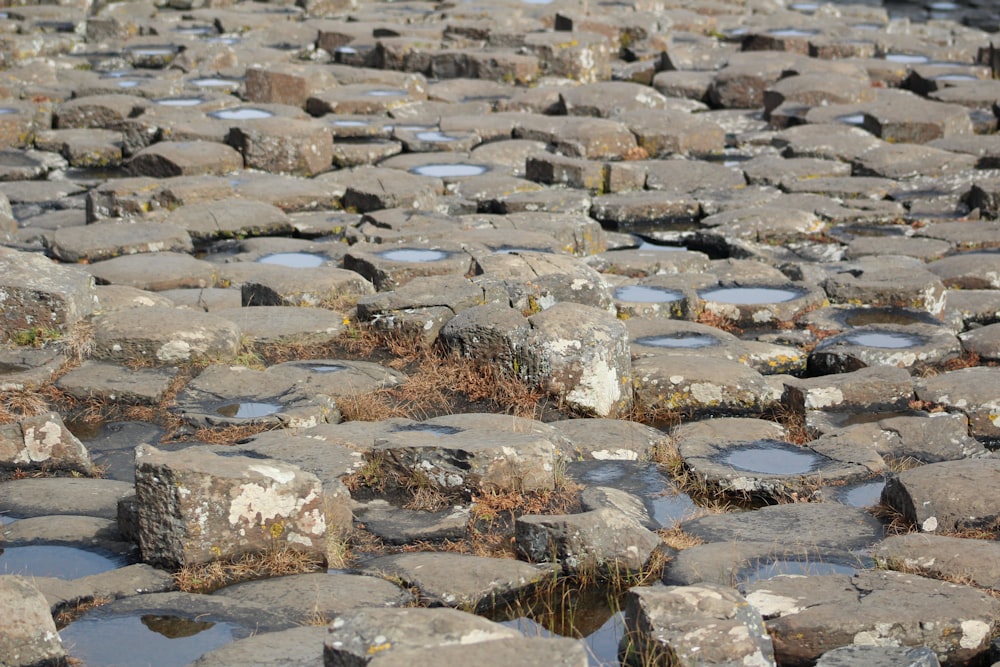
x: 256, y: 504
x: 598, y: 388
x: 706, y: 393
x: 974, y: 633
x: 39, y: 442
x: 614, y: 455
x: 174, y: 350
x: 771, y: 605
x: 272, y: 472
x: 817, y: 399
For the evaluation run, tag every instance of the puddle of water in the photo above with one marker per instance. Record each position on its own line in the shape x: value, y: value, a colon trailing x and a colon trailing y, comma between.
x: 804, y: 7
x: 687, y: 341
x: 749, y: 295
x: 665, y: 505
x: 324, y: 368
x: 510, y: 250
x: 6, y: 520
x: 884, y: 339
x: 390, y: 92
x: 863, y: 495
x: 906, y: 58
x: 450, y: 170
x: 851, y: 119
x: 955, y: 77
x: 180, y: 101
x: 141, y: 641
x: 439, y: 429
x: 413, y: 255
x: 224, y: 40
x: 154, y: 51
x: 241, y: 114
x: 294, y: 260
x: 7, y: 110
x: 6, y: 368
x: 195, y: 30
x: 793, y: 32
x: 348, y: 50
x: 128, y: 83
x: 943, y: 6
x: 773, y: 568
x: 649, y: 245
x: 212, y: 82
x: 57, y: 561
x: 435, y: 136
x: 537, y: 2
x: 248, y: 410
x: 772, y: 457
x: 644, y: 294
x: 351, y: 123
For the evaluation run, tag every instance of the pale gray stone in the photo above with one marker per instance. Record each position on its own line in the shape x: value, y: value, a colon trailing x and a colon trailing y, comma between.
x: 28, y: 634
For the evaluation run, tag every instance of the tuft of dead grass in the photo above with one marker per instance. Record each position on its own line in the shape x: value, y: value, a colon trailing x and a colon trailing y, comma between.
x: 18, y: 405
x: 72, y: 612
x: 230, y: 435
x: 715, y: 320
x: 676, y: 538
x: 277, y: 562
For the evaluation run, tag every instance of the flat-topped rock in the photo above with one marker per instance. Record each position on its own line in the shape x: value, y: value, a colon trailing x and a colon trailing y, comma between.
x: 43, y: 496
x: 37, y: 293
x: 164, y: 336
x: 943, y: 496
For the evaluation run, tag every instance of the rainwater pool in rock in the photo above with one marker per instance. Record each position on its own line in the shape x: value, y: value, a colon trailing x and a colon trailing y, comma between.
x: 144, y: 640
x: 241, y: 114
x: 413, y: 255
x: 212, y: 82
x: 248, y: 409
x: 772, y: 457
x: 59, y: 561
x: 866, y: 494
x: 455, y: 170
x: 780, y: 566
x: 180, y: 101
x: 749, y: 295
x: 886, y: 340
x: 644, y: 294
x: 435, y: 136
x: 664, y: 503
x: 293, y: 260
x: 680, y: 341
x: 438, y: 429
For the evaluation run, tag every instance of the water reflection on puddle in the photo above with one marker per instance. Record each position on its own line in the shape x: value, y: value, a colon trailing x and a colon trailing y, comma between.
x: 773, y: 568
x: 212, y: 82
x: 600, y: 627
x: 180, y: 101
x: 792, y: 32
x: 851, y: 118
x: 688, y: 341
x: 450, y: 170
x: 435, y: 136
x: 385, y: 93
x: 294, y: 260
x: 867, y: 494
x: 749, y: 295
x: 664, y: 504
x: 413, y: 255
x: 57, y: 561
x: 884, y: 339
x: 248, y: 410
x: 644, y: 294
x: 241, y: 114
x: 324, y: 368
x: 437, y: 429
x: 141, y: 641
x: 772, y: 457
x: 906, y: 58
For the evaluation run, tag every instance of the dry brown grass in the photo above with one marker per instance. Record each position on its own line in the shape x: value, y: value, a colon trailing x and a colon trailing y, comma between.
x: 277, y: 562
x: 895, y: 523
x: 714, y: 320
x: 676, y: 538
x: 70, y: 613
x: 17, y: 405
x: 230, y: 435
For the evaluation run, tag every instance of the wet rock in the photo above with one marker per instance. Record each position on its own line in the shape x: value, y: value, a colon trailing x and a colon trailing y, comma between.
x: 752, y: 457
x: 808, y: 616
x: 104, y: 240
x: 44, y: 496
x: 315, y: 596
x: 196, y: 507
x: 232, y: 395
x: 976, y: 562
x: 879, y: 656
x: 122, y: 582
x: 867, y: 389
x: 800, y: 524
x: 154, y: 271
x: 604, y: 539
x: 970, y: 270
x: 592, y: 376
x: 610, y: 439
x: 185, y: 158
x: 357, y: 635
x: 700, y: 386
x: 944, y: 496
x: 740, y: 562
x: 36, y: 293
x: 164, y: 336
x: 460, y: 580
x: 527, y: 651
x: 905, y: 346
x: 42, y: 443
x: 28, y: 634
x: 224, y: 218
x: 295, y: 647
x: 888, y: 281
x: 678, y: 623
x: 912, y: 119
x: 470, y: 459
x: 395, y: 525
x: 970, y: 391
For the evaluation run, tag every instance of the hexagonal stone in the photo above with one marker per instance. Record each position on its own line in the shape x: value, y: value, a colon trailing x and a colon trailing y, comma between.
x: 972, y: 391
x: 229, y: 218
x: 184, y: 158
x: 164, y: 336
x: 104, y: 240
x: 700, y: 386
x: 284, y: 145
x: 38, y: 293
x: 912, y: 119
